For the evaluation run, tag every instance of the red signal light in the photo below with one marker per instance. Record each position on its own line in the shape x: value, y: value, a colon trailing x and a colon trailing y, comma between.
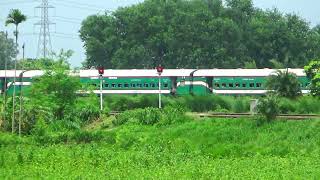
x: 101, y: 70
x: 160, y: 69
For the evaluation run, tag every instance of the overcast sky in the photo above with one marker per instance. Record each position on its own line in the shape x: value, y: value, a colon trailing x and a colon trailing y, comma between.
x: 68, y: 14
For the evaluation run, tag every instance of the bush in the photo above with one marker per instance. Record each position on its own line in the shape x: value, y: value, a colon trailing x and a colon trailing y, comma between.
x: 241, y: 105
x: 287, y: 106
x: 268, y: 107
x: 152, y: 116
x: 308, y: 105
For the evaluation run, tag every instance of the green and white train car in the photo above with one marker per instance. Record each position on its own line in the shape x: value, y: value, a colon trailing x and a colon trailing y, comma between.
x: 173, y: 81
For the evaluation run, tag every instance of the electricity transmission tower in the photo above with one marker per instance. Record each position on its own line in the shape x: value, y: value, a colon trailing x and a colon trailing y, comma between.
x: 44, y: 42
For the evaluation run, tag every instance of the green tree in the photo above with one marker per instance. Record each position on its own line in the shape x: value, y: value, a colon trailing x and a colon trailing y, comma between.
x: 268, y: 107
x: 55, y: 90
x: 198, y: 34
x: 7, y: 51
x: 58, y: 59
x: 313, y: 73
x: 284, y: 84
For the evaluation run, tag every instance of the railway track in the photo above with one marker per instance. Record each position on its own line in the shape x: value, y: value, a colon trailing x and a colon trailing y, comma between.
x: 245, y: 115
x: 248, y: 115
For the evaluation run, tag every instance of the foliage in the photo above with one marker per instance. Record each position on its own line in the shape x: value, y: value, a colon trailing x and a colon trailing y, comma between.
x: 7, y: 51
x: 268, y: 107
x: 15, y: 17
x: 313, y: 73
x: 198, y: 34
x: 284, y: 84
x: 215, y: 148
x: 57, y: 61
x: 151, y: 116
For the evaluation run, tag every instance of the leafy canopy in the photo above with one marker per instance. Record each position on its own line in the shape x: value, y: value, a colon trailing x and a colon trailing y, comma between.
x: 313, y: 73
x: 7, y: 51
x: 198, y: 34
x: 15, y: 17
x: 284, y: 84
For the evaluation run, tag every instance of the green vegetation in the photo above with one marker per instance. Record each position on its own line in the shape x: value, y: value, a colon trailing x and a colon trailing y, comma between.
x: 284, y: 84
x: 241, y: 104
x: 7, y: 51
x: 66, y: 135
x: 210, y: 148
x: 198, y: 34
x: 268, y: 107
x: 313, y: 73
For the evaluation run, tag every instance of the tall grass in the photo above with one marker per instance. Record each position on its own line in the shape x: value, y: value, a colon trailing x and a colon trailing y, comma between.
x: 240, y: 104
x: 211, y: 148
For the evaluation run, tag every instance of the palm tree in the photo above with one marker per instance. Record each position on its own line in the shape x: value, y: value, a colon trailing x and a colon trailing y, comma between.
x: 15, y: 17
x: 284, y: 84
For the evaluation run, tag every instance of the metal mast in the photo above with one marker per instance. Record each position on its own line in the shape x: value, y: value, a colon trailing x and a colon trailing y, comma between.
x: 44, y: 41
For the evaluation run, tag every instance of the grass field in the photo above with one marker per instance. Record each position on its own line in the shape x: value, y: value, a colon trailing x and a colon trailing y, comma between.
x: 212, y: 148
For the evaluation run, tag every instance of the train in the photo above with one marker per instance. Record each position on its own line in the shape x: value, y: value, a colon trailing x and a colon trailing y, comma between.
x: 172, y: 81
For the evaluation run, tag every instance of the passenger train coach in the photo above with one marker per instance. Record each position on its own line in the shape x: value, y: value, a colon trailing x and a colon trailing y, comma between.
x: 173, y: 81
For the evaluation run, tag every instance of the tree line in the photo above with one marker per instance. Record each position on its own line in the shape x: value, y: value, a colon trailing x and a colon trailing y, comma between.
x: 198, y: 34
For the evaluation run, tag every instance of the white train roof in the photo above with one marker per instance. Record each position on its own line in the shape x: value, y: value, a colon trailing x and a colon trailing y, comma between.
x: 137, y: 73
x: 187, y: 72
x: 243, y: 72
x: 166, y: 73
x: 11, y: 73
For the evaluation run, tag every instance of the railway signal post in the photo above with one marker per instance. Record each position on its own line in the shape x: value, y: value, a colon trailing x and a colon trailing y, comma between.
x: 101, y: 72
x: 159, y: 70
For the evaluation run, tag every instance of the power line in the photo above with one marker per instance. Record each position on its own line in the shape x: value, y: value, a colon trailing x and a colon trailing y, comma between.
x: 78, y: 7
x: 55, y: 34
x: 80, y: 4
x: 68, y: 37
x: 67, y: 21
x: 77, y: 19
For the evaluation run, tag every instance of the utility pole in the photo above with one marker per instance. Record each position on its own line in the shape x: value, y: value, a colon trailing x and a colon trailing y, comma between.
x: 160, y: 70
x: 44, y: 41
x: 21, y: 93
x: 5, y: 84
x: 101, y: 72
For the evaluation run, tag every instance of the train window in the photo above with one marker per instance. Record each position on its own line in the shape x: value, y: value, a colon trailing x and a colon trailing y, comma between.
x: 152, y: 85
x: 139, y: 85
x: 258, y: 85
x: 244, y: 85
x: 113, y: 85
x: 120, y: 85
x: 133, y: 85
x: 217, y: 85
x: 230, y: 84
x: 106, y: 85
x: 146, y: 85
x: 237, y: 85
x: 95, y: 85
x: 165, y: 85
x: 224, y: 85
x: 251, y: 85
x: 126, y: 85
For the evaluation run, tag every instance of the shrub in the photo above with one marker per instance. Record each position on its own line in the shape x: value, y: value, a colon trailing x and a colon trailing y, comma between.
x: 285, y: 84
x: 86, y: 136
x: 287, y: 106
x: 268, y: 107
x: 308, y: 105
x: 173, y: 115
x: 152, y: 116
x: 241, y: 105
